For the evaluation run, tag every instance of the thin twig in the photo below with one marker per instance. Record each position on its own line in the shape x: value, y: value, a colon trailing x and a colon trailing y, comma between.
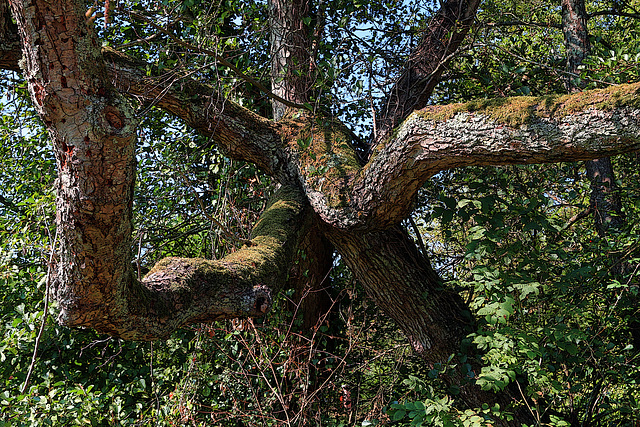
x: 614, y: 13
x: 45, y: 314
x: 577, y: 217
x: 222, y: 228
x: 416, y: 231
x: 145, y: 40
x: 221, y: 60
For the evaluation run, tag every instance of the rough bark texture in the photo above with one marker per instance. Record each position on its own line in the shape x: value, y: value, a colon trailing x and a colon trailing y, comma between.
x: 93, y: 132
x: 512, y: 131
x: 576, y: 40
x: 604, y: 201
x: 292, y: 62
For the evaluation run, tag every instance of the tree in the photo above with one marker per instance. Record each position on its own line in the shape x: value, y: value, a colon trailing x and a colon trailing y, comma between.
x: 605, y: 198
x: 354, y: 194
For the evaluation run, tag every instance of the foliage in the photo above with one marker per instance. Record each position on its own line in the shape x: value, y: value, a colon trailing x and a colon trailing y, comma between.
x: 553, y: 303
x: 557, y: 305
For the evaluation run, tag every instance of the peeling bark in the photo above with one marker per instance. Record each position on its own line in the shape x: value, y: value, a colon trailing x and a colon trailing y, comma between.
x: 93, y: 133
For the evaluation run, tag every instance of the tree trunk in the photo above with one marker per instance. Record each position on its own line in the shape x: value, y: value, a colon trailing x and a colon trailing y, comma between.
x: 605, y: 201
x: 435, y: 319
x: 360, y: 207
x: 309, y: 277
x: 292, y: 59
x: 292, y: 69
x: 94, y: 134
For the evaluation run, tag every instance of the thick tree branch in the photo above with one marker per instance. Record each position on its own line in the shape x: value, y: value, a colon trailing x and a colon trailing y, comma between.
x: 180, y: 291
x: 520, y: 130
x: 445, y: 33
x: 93, y: 131
x: 243, y: 135
x: 510, y: 131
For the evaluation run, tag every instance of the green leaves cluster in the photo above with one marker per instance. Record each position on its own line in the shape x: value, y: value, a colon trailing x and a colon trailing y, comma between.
x: 552, y: 303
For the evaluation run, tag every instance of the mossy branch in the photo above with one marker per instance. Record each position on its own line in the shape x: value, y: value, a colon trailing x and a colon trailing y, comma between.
x: 180, y: 291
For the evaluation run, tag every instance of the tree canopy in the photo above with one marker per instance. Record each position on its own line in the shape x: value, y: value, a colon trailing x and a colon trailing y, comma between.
x: 278, y: 160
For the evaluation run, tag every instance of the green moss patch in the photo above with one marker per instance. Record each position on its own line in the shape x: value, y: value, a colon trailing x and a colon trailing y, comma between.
x: 520, y: 110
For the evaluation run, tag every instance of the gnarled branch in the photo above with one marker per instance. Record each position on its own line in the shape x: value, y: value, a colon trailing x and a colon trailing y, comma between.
x: 180, y: 291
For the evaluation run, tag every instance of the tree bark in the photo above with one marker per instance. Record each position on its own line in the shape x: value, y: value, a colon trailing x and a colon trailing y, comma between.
x: 605, y: 200
x: 292, y: 59
x: 521, y: 130
x: 93, y: 133
x: 435, y: 319
x: 576, y: 41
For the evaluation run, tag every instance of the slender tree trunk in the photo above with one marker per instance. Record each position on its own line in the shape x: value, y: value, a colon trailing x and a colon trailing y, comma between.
x: 292, y: 59
x: 605, y: 201
x: 576, y: 41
